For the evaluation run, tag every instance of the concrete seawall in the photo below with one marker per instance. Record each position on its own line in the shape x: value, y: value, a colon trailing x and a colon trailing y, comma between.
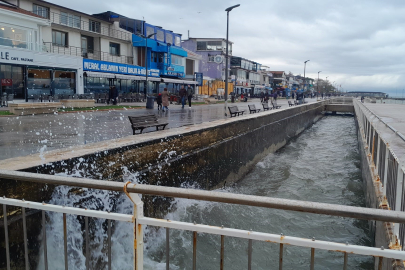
x: 381, y: 159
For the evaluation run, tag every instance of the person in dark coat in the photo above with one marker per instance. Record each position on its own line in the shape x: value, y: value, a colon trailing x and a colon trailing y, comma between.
x: 159, y: 101
x: 190, y: 93
x: 183, y: 95
x: 165, y: 100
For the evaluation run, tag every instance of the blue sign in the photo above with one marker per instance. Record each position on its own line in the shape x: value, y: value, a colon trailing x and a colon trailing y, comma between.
x: 109, y: 67
x: 199, y: 78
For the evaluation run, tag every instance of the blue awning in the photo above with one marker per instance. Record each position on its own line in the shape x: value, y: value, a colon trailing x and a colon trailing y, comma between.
x: 178, y: 51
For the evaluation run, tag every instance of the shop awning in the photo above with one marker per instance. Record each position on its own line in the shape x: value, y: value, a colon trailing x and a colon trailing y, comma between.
x: 119, y: 76
x: 100, y: 74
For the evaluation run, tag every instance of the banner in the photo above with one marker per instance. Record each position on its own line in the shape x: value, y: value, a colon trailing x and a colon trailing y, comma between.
x: 199, y: 78
x: 108, y: 67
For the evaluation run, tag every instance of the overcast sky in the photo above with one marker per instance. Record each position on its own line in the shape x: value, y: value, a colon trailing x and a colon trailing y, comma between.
x: 359, y: 44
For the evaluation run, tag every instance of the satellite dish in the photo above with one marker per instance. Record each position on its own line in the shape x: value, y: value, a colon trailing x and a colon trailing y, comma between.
x: 218, y: 59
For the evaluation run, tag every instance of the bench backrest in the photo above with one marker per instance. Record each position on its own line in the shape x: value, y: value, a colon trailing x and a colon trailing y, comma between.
x: 252, y: 107
x: 266, y: 106
x: 150, y: 118
x: 233, y: 109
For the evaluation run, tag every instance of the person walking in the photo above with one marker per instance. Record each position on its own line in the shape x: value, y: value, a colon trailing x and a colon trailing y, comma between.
x: 182, y: 94
x: 159, y: 101
x: 261, y: 97
x: 190, y: 93
x: 165, y: 100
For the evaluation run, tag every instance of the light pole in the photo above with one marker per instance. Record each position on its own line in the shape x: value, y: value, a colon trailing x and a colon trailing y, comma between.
x: 317, y: 85
x: 305, y: 81
x: 146, y: 86
x: 226, y: 56
x: 326, y: 83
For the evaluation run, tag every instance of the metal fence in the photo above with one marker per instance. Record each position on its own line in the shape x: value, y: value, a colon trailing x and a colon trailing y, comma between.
x: 139, y: 221
x: 386, y: 165
x: 70, y: 20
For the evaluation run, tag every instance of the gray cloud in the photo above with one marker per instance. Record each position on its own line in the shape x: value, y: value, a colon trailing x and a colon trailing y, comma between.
x: 359, y: 44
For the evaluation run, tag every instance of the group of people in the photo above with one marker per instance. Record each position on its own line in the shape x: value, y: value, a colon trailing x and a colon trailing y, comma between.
x: 162, y: 99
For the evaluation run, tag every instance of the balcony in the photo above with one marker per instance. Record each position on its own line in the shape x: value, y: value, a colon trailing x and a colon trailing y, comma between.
x: 72, y: 21
x: 89, y: 54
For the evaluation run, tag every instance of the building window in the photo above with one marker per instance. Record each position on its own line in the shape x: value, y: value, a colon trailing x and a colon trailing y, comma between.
x: 70, y: 20
x: 211, y: 58
x: 114, y: 48
x: 201, y: 45
x: 169, y: 38
x: 59, y: 38
x: 177, y: 60
x: 13, y: 37
x: 149, y: 30
x: 177, y: 41
x: 160, y: 35
x: 41, y: 11
x: 94, y: 26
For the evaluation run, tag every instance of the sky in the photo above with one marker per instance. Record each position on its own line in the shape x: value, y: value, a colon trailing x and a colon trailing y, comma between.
x: 358, y: 44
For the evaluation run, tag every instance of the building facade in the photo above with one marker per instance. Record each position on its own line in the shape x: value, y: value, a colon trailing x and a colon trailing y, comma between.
x: 78, y: 53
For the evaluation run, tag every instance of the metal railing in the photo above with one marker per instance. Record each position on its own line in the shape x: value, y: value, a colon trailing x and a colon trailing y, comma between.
x: 90, y: 26
x: 89, y: 54
x: 139, y: 221
x: 388, y: 172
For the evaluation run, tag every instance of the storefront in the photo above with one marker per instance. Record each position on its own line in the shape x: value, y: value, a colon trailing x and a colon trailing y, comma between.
x: 25, y: 73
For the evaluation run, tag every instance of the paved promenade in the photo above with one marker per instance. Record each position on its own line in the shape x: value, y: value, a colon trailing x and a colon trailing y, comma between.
x: 24, y: 135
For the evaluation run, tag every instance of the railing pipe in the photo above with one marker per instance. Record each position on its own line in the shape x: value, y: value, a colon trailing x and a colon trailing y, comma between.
x: 241, y: 199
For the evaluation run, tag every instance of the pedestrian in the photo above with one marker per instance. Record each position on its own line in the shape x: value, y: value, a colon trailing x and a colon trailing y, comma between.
x: 165, y: 100
x: 159, y: 101
x: 115, y: 95
x: 190, y: 93
x: 183, y: 94
x: 261, y: 97
x: 110, y: 95
x: 266, y: 97
x: 241, y: 97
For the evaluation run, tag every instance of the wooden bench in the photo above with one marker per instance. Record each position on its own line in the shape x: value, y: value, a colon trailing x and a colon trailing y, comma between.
x: 252, y: 109
x: 290, y: 103
x: 233, y: 110
x: 145, y: 121
x: 266, y: 107
x: 275, y: 106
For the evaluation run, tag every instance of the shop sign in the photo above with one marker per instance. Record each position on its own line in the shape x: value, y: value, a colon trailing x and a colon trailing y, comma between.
x: 177, y: 74
x: 6, y: 82
x: 16, y: 57
x: 199, y: 78
x: 108, y: 67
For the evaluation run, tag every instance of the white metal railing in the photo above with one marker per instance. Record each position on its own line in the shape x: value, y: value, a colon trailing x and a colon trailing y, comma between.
x: 139, y: 221
x: 388, y: 171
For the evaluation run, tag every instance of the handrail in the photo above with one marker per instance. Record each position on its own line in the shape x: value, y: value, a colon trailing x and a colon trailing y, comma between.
x: 70, y: 21
x: 240, y: 199
x: 86, y: 53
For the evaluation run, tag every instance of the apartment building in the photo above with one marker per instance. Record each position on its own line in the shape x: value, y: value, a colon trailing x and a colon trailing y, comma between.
x: 107, y: 49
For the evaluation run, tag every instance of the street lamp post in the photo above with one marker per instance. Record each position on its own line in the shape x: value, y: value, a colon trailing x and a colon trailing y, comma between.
x: 317, y: 85
x: 226, y: 56
x: 146, y: 86
x: 305, y: 81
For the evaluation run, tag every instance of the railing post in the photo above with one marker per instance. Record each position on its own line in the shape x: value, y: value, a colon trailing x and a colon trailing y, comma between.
x: 377, y: 163
x: 387, y: 152
x: 400, y: 190
x: 138, y: 231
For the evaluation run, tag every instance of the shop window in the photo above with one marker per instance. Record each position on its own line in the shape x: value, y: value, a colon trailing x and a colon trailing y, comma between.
x: 41, y: 11
x: 70, y: 20
x: 59, y: 38
x: 64, y: 82
x: 177, y: 60
x: 94, y: 26
x: 39, y: 82
x: 114, y: 48
x: 95, y: 85
x: 13, y: 37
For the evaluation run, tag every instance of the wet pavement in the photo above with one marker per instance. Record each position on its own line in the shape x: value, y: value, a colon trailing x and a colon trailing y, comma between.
x: 25, y: 135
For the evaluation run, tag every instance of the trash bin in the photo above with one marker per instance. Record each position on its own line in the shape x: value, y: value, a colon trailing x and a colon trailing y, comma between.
x: 233, y: 99
x: 150, y: 102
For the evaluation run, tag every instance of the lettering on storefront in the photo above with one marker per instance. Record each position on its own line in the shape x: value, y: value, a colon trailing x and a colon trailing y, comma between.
x: 100, y: 66
x: 8, y: 57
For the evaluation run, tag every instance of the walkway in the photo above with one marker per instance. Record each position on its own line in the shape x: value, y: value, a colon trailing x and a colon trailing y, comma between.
x: 24, y: 135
